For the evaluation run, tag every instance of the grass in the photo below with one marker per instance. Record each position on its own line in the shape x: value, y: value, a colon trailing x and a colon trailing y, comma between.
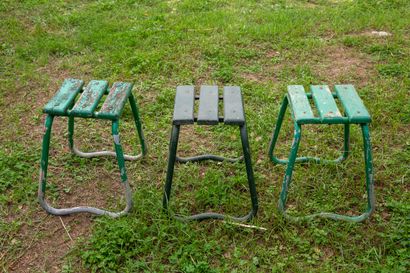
x: 263, y: 46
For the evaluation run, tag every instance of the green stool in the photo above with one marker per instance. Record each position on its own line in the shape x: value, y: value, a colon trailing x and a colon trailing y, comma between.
x: 63, y: 104
x: 324, y: 99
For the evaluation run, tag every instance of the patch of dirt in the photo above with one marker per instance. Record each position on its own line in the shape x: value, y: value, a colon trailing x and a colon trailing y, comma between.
x: 45, y: 238
x: 47, y: 241
x: 343, y: 65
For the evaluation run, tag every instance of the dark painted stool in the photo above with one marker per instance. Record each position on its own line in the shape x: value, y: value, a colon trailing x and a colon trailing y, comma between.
x: 354, y: 113
x: 208, y: 115
x: 63, y: 104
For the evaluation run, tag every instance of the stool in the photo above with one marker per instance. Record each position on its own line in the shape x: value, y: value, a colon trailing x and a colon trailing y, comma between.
x: 62, y: 104
x: 208, y: 115
x: 324, y: 99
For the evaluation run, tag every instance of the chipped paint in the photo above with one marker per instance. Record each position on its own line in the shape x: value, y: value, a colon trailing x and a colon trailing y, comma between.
x: 114, y: 103
x: 42, y: 176
x: 59, y: 104
x: 116, y: 139
x: 89, y: 99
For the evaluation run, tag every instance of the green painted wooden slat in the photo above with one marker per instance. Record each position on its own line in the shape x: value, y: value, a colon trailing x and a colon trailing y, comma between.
x: 64, y: 98
x: 115, y: 101
x: 352, y: 103
x: 325, y: 103
x: 89, y: 99
x: 302, y: 112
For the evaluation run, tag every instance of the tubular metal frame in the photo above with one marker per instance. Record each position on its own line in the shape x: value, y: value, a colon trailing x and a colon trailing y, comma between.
x: 173, y: 146
x: 290, y: 162
x: 118, y: 154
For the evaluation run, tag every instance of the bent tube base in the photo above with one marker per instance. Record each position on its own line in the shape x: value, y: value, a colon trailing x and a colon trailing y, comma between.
x: 209, y: 215
x: 93, y: 210
x: 369, y: 182
x: 44, y: 167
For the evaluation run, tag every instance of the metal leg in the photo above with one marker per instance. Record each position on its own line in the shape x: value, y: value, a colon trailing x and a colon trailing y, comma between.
x: 43, y: 177
x: 121, y: 166
x: 210, y: 215
x: 173, y: 145
x: 76, y: 151
x: 276, y: 131
x: 249, y: 172
x: 303, y: 159
x: 369, y: 181
x: 289, y: 169
x: 137, y: 120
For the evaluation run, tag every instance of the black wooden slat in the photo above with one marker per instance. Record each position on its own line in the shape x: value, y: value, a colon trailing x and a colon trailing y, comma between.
x: 184, y: 105
x: 208, y: 105
x: 233, y: 106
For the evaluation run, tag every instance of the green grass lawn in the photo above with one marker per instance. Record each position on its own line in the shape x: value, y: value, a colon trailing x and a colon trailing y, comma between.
x: 262, y: 46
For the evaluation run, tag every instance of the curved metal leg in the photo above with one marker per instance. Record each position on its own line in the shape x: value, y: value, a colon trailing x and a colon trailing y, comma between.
x: 66, y: 211
x: 249, y: 172
x: 369, y: 182
x: 138, y: 126
x: 289, y: 169
x: 304, y: 159
x: 173, y: 145
x: 137, y: 121
x: 210, y: 215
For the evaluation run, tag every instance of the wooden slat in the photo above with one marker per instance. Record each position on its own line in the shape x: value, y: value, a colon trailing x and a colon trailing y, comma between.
x: 208, y: 105
x: 233, y: 106
x: 184, y: 105
x: 352, y: 103
x: 325, y: 103
x: 302, y: 112
x: 114, y: 103
x: 64, y: 98
x: 89, y: 99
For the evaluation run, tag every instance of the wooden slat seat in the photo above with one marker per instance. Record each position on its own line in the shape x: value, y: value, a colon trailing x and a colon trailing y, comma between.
x: 325, y: 103
x: 184, y: 105
x: 89, y: 99
x: 353, y: 105
x: 208, y: 105
x: 64, y: 98
x: 233, y: 106
x: 302, y: 112
x: 115, y: 101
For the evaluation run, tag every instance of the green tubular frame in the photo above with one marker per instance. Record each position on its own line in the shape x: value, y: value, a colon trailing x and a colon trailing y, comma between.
x: 294, y: 159
x: 118, y: 154
x: 137, y: 120
x: 304, y: 159
x: 173, y: 146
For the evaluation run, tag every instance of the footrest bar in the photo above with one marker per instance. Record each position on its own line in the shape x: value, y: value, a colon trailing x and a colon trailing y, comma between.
x: 207, y: 157
x: 329, y: 215
x: 306, y: 159
x: 213, y: 215
x: 80, y: 209
x: 76, y: 151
